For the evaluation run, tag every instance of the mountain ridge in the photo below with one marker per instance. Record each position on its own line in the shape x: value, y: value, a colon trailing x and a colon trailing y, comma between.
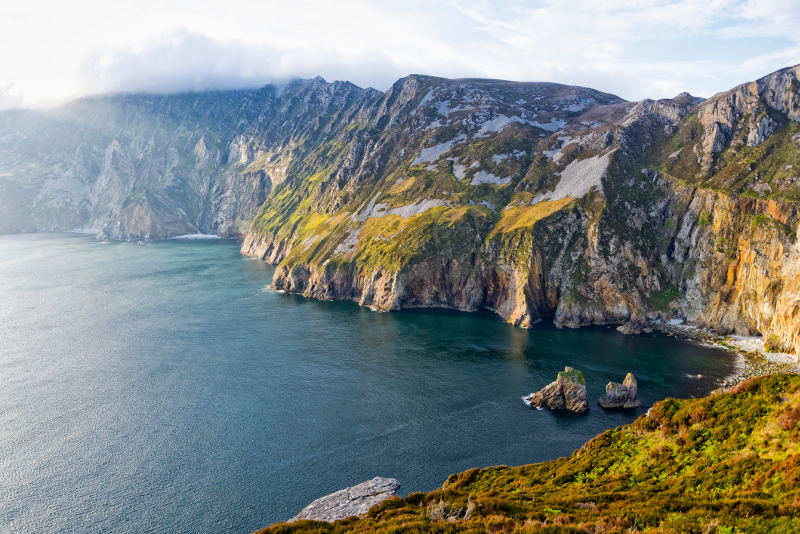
x: 531, y: 199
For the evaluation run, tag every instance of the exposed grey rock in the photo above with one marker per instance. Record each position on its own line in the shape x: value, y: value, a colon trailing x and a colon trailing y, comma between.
x: 779, y: 90
x: 760, y: 130
x: 621, y: 395
x: 567, y: 392
x: 349, y: 502
x: 634, y: 328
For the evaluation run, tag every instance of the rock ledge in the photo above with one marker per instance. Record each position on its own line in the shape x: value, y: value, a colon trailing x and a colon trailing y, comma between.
x: 348, y: 502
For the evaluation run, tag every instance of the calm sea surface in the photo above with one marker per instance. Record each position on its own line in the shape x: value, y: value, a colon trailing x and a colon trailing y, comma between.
x: 164, y: 388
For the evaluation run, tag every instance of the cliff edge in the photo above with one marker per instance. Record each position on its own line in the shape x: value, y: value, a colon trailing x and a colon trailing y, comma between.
x: 725, y: 463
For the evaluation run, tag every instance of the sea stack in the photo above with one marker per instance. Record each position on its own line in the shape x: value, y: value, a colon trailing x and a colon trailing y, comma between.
x: 621, y: 395
x: 567, y: 392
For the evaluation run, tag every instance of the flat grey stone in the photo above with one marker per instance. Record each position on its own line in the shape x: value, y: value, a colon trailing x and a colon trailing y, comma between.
x: 348, y: 502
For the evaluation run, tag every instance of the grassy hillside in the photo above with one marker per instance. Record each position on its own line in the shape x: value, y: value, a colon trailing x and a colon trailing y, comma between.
x: 726, y: 463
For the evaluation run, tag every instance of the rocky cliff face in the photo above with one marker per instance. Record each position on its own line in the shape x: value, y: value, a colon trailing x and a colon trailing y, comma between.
x: 534, y: 200
x: 152, y: 166
x: 427, y: 225
x: 585, y: 209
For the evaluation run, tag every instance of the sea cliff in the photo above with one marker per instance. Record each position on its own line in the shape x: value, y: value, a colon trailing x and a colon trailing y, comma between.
x: 632, y: 214
x: 538, y: 201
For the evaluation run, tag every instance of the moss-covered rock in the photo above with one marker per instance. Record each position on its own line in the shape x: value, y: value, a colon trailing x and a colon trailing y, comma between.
x: 567, y: 392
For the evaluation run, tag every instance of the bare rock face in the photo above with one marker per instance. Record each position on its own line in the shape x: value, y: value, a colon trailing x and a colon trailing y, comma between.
x: 567, y: 392
x: 549, y: 396
x: 349, y: 502
x: 621, y: 395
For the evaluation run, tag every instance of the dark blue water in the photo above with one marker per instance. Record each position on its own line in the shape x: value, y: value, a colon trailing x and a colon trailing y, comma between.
x: 163, y: 388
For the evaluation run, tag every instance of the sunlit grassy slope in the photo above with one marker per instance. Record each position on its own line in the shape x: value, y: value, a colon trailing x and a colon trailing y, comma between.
x: 726, y: 463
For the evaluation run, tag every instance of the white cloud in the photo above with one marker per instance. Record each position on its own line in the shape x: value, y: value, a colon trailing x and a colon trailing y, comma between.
x: 10, y: 97
x: 51, y: 51
x: 183, y: 61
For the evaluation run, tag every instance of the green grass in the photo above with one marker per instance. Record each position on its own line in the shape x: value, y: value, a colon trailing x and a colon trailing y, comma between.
x: 724, y: 463
x: 760, y: 220
x: 661, y: 300
x: 137, y: 195
x: 763, y: 171
x: 573, y: 375
x: 773, y: 343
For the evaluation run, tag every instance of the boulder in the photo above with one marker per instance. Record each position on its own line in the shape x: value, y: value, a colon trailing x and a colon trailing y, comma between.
x: 567, y: 392
x: 631, y: 328
x: 353, y: 501
x: 621, y: 395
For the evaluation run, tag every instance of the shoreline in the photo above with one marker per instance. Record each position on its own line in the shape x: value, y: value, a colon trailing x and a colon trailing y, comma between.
x: 752, y: 360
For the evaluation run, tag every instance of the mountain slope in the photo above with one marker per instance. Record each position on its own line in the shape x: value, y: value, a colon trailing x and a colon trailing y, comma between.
x: 725, y: 463
x: 138, y: 166
x: 535, y: 200
x: 406, y: 216
x: 623, y: 214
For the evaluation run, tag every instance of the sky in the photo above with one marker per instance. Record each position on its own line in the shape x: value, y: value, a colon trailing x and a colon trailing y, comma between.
x: 53, y: 51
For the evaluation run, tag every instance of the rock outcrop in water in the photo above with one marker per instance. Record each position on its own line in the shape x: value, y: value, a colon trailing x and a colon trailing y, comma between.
x: 567, y: 392
x: 349, y: 502
x: 533, y: 200
x: 621, y: 395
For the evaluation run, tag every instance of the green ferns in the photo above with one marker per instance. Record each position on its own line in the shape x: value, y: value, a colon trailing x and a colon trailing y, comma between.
x: 724, y: 463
